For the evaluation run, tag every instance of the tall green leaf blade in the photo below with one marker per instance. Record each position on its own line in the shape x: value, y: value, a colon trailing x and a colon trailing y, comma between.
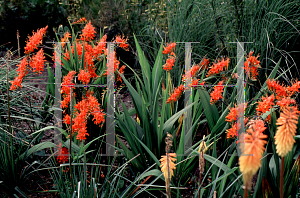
x: 145, y: 69
x: 211, y: 111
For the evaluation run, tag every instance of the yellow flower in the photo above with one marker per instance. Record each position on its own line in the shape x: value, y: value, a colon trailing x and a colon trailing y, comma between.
x: 253, y: 150
x: 164, y: 164
x: 286, y: 130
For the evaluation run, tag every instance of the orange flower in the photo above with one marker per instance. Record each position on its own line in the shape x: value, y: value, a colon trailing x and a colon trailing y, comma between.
x: 62, y: 155
x: 232, y: 132
x: 164, y: 165
x: 37, y: 61
x: 169, y: 48
x: 232, y: 116
x: 63, y: 41
x: 100, y: 47
x: 251, y: 65
x: 84, y: 76
x: 265, y: 105
x: 234, y: 75
x: 183, y: 78
x: 253, y: 150
x: 22, y: 71
x: 86, y: 107
x: 236, y: 126
x: 284, y: 102
x: 204, y: 63
x: 218, y: 67
x: 35, y: 40
x: 67, y: 119
x: 216, y: 94
x: 81, y: 20
x: 88, y: 32
x: 169, y: 63
x: 294, y: 88
x: 176, y: 94
x: 121, y: 42
x: 194, y: 82
x: 194, y: 70
x: 121, y: 70
x: 286, y: 130
x: 275, y: 86
x: 65, y: 88
x: 202, y: 83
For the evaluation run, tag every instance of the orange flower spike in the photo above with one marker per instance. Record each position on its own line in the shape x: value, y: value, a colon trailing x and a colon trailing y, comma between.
x: 164, y: 165
x: 225, y: 63
x: 202, y: 83
x: 251, y: 65
x: 121, y: 70
x: 65, y: 88
x: 37, y: 61
x: 81, y: 20
x: 294, y: 88
x: 82, y: 133
x: 194, y: 70
x: 88, y: 32
x: 218, y: 67
x: 22, y: 71
x: 121, y: 42
x: 169, y: 48
x: 100, y: 47
x: 22, y: 67
x: 84, y: 76
x: 216, y: 94
x: 277, y: 88
x: 265, y: 104
x: 63, y: 41
x: 98, y: 117
x: 204, y: 63
x: 183, y: 78
x: 253, y: 150
x: 232, y: 116
x: 35, y: 40
x: 195, y: 82
x: 67, y: 119
x: 232, y: 132
x: 88, y: 106
x: 176, y: 94
x: 169, y: 63
x: 62, y: 155
x: 286, y: 130
x: 284, y: 102
x: 16, y: 83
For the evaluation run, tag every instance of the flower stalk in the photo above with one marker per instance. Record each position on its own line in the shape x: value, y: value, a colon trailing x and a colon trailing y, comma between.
x: 167, y: 164
x: 284, y: 138
x: 281, y: 177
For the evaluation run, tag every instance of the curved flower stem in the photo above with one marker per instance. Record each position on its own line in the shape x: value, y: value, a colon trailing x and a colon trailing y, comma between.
x: 168, y: 178
x: 200, y: 184
x: 245, y: 192
x: 281, y: 177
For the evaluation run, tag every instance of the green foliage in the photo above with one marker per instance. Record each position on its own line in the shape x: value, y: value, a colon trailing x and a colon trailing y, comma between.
x: 22, y: 126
